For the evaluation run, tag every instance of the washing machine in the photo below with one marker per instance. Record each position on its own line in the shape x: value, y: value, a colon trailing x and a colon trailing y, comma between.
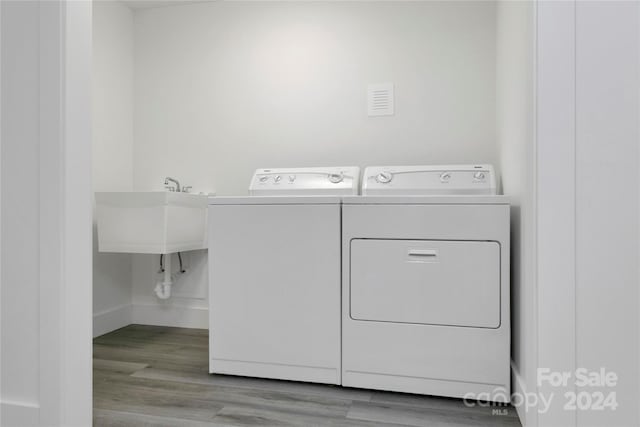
x: 425, y: 296
x: 275, y: 278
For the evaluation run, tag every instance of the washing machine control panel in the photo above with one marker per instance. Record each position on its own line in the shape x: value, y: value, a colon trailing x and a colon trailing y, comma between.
x: 429, y: 180
x: 306, y: 181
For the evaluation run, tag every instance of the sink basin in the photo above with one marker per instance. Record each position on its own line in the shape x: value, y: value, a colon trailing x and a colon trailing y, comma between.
x: 155, y: 222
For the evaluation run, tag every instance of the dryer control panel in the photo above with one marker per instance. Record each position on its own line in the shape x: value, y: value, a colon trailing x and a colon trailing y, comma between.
x: 430, y: 180
x: 325, y: 181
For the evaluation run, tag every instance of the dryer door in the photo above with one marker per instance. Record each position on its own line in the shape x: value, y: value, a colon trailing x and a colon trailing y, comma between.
x: 454, y: 283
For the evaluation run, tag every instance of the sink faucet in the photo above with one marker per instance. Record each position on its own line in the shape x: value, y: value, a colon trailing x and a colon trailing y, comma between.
x: 175, y: 181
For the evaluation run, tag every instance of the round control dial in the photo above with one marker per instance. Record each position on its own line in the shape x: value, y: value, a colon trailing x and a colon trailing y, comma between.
x: 384, y: 177
x: 445, y: 177
x: 336, y: 178
x: 277, y: 178
x: 479, y: 176
x: 264, y: 178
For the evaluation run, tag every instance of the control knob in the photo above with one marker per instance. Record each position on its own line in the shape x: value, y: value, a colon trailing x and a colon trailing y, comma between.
x: 445, y: 177
x: 336, y: 178
x: 479, y: 176
x: 384, y: 177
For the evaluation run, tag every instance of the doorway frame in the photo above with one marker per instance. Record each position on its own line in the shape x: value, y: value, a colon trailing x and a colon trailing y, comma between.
x: 66, y: 314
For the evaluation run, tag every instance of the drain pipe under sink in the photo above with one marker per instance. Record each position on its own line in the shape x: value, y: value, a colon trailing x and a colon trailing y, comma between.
x: 163, y: 288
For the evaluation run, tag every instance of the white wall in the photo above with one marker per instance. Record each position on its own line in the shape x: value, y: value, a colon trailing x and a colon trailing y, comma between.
x: 515, y: 124
x: 19, y: 383
x: 607, y: 193
x: 112, y: 152
x: 555, y: 165
x: 224, y: 88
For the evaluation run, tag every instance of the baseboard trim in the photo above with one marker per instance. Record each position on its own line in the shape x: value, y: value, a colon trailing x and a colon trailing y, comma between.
x: 312, y: 374
x: 149, y: 314
x: 170, y: 315
x: 19, y: 414
x: 111, y: 319
x: 519, y: 387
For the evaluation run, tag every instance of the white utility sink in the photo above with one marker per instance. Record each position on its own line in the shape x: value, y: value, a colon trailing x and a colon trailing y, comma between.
x: 155, y: 222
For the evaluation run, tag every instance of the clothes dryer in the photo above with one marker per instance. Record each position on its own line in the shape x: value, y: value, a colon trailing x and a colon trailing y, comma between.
x: 425, y: 293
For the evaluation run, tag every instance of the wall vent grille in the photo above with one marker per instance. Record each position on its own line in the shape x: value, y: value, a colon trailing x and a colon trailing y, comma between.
x: 380, y: 99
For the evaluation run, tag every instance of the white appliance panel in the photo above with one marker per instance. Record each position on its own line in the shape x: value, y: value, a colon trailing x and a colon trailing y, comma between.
x: 413, y: 357
x: 451, y: 283
x: 429, y: 180
x: 305, y: 181
x: 275, y: 291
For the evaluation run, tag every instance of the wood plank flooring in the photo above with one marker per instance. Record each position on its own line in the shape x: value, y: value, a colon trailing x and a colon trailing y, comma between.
x: 158, y: 376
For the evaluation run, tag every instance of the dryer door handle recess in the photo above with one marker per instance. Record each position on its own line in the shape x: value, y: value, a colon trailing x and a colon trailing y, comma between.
x: 424, y: 254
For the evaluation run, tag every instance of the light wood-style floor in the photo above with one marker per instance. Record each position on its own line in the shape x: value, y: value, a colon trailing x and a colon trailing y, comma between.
x: 158, y: 376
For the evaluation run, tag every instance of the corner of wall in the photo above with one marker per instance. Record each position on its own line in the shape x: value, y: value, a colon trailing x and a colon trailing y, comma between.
x: 112, y: 319
x: 112, y: 138
x: 515, y: 122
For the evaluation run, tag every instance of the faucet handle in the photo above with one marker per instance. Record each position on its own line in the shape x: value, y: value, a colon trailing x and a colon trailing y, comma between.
x: 169, y: 188
x: 187, y: 189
